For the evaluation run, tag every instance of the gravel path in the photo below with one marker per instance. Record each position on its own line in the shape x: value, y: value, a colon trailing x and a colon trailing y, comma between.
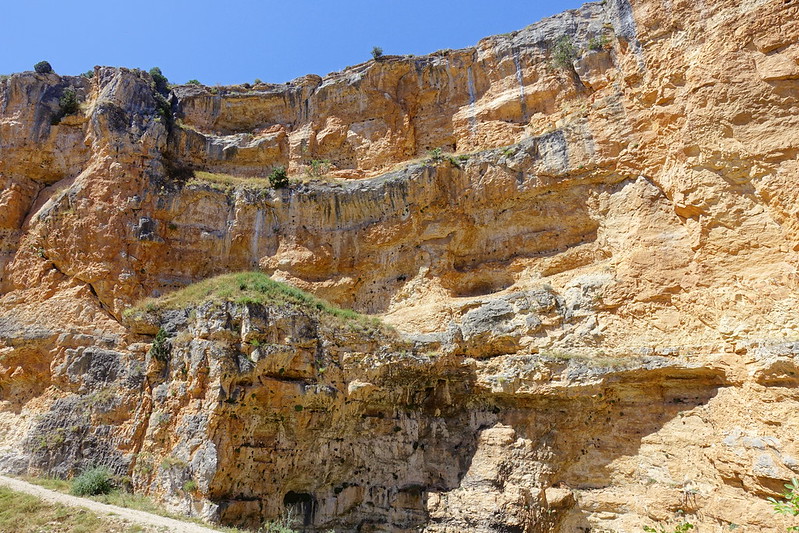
x: 161, y: 523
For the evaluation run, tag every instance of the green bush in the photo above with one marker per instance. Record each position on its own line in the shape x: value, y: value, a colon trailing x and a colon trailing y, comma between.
x: 43, y: 67
x: 564, y: 53
x: 92, y: 482
x: 160, y: 81
x: 163, y: 107
x: 68, y: 104
x: 193, y: 82
x: 69, y: 101
x: 598, y: 43
x: 317, y: 168
x: 89, y: 74
x: 436, y: 155
x: 790, y: 505
x: 279, y: 178
x: 160, y: 348
x: 377, y: 52
x: 458, y: 161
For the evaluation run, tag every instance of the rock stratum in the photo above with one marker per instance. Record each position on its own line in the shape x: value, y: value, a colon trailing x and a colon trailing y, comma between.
x: 580, y: 240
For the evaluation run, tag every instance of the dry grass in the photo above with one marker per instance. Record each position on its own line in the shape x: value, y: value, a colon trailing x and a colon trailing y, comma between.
x: 226, y: 182
x: 593, y: 361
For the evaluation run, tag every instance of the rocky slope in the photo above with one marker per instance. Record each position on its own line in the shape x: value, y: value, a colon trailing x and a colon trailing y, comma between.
x: 592, y: 282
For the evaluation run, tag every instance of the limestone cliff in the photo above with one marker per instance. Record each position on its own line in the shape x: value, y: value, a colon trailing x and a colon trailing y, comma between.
x: 583, y: 233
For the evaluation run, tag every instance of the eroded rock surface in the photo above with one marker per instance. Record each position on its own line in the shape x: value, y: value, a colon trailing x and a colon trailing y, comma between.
x: 593, y: 284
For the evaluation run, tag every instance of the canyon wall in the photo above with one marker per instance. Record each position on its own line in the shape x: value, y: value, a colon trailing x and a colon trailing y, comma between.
x: 584, y: 235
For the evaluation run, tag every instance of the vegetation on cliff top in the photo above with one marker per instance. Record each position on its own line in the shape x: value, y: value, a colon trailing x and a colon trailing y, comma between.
x: 246, y: 288
x: 43, y: 67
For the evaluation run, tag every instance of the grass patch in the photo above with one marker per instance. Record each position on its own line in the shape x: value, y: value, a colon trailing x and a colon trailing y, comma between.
x: 599, y: 361
x: 226, y: 182
x: 143, y: 503
x: 247, y: 288
x: 52, y: 483
x: 117, y: 497
x: 24, y: 513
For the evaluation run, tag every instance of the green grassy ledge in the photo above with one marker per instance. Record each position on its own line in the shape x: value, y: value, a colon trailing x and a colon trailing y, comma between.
x: 246, y: 288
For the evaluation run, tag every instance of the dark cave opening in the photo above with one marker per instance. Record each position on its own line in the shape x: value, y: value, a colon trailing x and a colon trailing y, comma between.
x: 300, y: 505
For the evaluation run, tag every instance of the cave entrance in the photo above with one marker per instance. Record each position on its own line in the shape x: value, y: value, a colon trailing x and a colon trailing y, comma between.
x: 300, y: 506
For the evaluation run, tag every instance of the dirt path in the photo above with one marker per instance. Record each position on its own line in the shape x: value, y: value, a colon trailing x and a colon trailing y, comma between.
x: 102, y: 509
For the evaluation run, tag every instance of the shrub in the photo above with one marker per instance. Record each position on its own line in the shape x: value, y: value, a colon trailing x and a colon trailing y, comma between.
x: 435, y: 155
x: 92, y: 482
x: 790, y: 505
x: 564, y: 53
x: 68, y: 104
x: 598, y: 43
x: 163, y: 108
x: 377, y: 52
x: 88, y: 74
x: 257, y: 81
x: 457, y: 162
x: 160, y: 348
x: 283, y: 525
x: 69, y: 101
x: 318, y: 168
x: 193, y: 82
x: 170, y: 461
x: 43, y: 67
x: 278, y: 178
x: 160, y: 81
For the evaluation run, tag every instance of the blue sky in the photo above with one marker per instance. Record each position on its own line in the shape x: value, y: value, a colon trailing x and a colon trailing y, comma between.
x: 238, y: 41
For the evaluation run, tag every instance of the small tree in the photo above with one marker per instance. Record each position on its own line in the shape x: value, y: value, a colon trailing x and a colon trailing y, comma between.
x: 43, y: 67
x: 564, y: 53
x: 68, y: 104
x: 377, y: 52
x: 278, y: 178
x: 160, y: 81
x: 193, y: 82
x: 790, y: 505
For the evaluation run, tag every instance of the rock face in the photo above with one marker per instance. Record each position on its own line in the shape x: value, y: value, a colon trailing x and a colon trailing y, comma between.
x: 590, y: 262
